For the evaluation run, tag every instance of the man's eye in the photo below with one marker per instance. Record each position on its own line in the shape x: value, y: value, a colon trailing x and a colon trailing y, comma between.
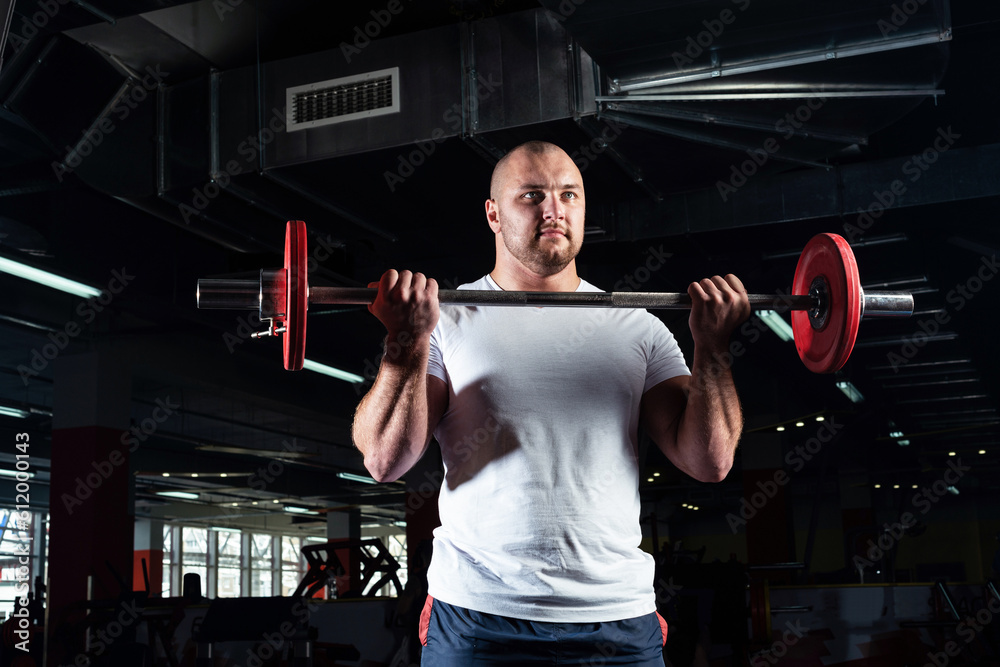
x: 530, y: 195
x: 570, y: 195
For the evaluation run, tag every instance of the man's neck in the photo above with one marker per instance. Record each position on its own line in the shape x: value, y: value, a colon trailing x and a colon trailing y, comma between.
x: 519, y: 278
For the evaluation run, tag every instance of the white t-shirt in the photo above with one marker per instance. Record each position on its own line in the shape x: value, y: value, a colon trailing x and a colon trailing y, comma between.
x: 540, y: 503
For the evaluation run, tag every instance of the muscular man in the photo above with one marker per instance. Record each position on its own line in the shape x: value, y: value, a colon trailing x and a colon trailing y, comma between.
x: 537, y: 412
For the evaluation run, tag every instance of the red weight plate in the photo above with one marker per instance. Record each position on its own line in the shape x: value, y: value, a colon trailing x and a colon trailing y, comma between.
x: 826, y: 349
x: 296, y: 295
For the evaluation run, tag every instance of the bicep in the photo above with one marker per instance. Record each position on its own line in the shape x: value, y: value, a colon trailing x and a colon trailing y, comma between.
x: 660, y: 413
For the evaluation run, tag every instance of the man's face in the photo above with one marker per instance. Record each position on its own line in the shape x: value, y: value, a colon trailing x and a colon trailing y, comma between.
x: 539, y: 210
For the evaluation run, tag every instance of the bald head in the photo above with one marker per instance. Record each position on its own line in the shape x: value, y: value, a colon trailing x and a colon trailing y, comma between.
x: 502, y: 171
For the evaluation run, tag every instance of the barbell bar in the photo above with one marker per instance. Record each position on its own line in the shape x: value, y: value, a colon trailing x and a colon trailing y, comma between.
x: 827, y: 300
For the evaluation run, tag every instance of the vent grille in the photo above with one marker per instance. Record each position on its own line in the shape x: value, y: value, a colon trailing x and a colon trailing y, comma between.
x: 342, y: 100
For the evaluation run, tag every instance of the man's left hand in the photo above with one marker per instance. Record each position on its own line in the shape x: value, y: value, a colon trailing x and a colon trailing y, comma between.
x: 718, y: 305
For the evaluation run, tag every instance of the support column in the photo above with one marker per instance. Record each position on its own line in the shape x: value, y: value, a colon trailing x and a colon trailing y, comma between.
x: 91, y: 506
x: 148, y: 546
x: 770, y: 538
x: 423, y: 485
x: 343, y: 526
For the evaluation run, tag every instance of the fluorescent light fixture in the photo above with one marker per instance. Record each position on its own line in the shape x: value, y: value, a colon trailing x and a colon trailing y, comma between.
x: 780, y: 429
x: 350, y: 476
x: 903, y: 443
x: 14, y: 474
x: 820, y: 418
x: 297, y: 510
x: 183, y: 495
x: 878, y: 486
x: 13, y: 412
x: 800, y: 424
x: 951, y: 453
x: 317, y: 367
x: 777, y: 324
x: 952, y: 490
x: 48, y: 279
x: 850, y: 391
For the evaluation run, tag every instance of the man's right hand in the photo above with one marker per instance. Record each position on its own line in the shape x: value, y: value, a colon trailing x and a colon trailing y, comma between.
x: 406, y: 302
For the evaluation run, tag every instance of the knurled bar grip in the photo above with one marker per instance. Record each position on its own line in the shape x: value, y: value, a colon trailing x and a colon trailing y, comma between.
x: 652, y: 300
x: 246, y: 295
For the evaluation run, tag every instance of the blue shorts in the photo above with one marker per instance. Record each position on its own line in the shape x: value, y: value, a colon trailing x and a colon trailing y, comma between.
x: 456, y: 637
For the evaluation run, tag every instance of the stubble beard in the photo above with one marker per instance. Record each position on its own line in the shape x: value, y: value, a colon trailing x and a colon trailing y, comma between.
x: 533, y: 254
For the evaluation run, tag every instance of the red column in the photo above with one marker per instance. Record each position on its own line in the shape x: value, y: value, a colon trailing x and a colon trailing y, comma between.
x: 91, y: 516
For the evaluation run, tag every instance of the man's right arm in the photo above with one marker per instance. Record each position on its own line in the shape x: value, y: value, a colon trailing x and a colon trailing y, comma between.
x: 396, y: 419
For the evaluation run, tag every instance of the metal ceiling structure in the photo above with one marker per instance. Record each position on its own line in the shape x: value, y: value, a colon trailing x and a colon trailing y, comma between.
x: 147, y: 142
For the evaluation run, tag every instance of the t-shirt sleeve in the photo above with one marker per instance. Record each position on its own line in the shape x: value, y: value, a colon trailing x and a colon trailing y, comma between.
x: 665, y: 359
x: 435, y: 362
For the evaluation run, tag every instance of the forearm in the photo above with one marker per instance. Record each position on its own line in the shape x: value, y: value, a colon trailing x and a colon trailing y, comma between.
x: 391, y: 423
x: 712, y: 421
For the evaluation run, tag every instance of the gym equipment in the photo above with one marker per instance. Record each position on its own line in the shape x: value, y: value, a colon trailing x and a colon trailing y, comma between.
x: 827, y: 301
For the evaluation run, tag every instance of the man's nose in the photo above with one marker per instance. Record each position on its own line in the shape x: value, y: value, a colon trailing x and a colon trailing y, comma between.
x: 553, y: 208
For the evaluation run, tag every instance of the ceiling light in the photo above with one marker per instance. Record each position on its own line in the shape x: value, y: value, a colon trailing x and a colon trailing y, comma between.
x: 800, y: 424
x: 317, y: 367
x: 194, y: 474
x: 236, y: 504
x: 953, y: 490
x: 183, y: 495
x: 48, y: 279
x: 166, y: 474
x: 878, y: 486
x: 777, y: 324
x: 223, y: 475
x: 780, y: 429
x: 850, y: 391
x: 903, y: 443
x: 16, y: 473
x: 350, y: 476
x: 951, y: 453
x: 820, y: 418
x: 895, y: 486
x: 895, y: 434
x: 914, y: 486
x: 13, y: 412
x: 275, y: 501
x: 297, y: 510
x: 254, y: 502
x: 656, y: 474
x: 982, y: 451
x: 649, y: 479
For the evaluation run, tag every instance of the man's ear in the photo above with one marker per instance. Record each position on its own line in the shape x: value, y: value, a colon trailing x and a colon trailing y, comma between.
x: 493, y: 215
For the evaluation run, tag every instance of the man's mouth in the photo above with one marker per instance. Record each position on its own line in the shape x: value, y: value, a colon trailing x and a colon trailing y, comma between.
x: 551, y: 232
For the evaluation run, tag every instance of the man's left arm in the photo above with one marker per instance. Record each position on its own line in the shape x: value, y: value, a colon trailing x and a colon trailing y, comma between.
x: 697, y: 421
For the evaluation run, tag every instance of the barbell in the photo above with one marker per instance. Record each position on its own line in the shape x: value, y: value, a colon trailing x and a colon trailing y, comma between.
x: 827, y: 301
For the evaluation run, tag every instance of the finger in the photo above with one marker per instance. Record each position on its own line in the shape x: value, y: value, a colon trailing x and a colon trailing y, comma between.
x: 388, y: 280
x: 735, y: 283
x: 419, y: 283
x: 432, y: 288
